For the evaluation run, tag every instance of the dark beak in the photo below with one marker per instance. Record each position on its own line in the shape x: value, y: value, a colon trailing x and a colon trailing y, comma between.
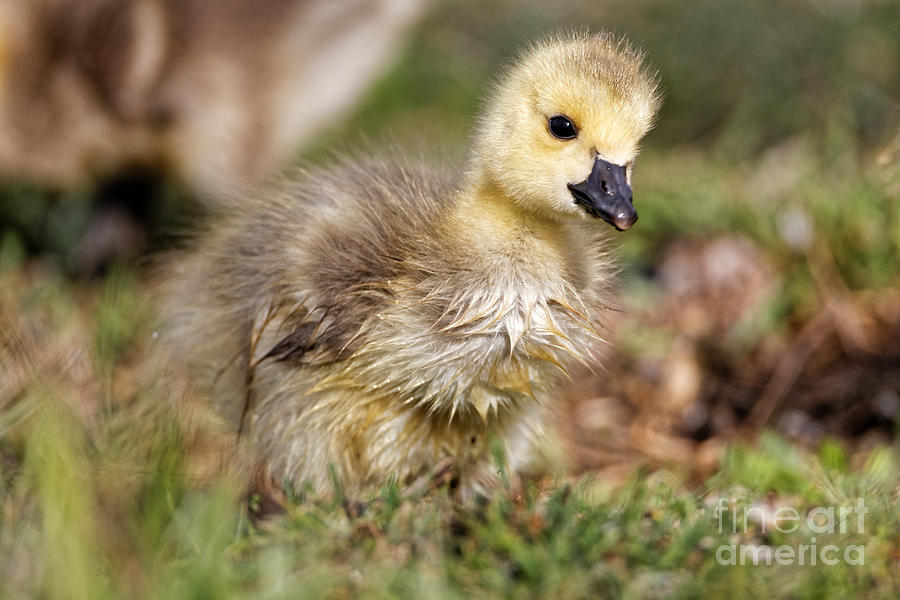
x: 606, y: 194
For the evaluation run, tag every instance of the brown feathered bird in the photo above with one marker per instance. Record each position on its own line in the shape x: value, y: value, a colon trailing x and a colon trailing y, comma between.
x: 217, y: 93
x: 379, y: 316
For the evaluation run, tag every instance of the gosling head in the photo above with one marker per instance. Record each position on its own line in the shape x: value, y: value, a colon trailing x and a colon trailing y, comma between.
x: 562, y: 131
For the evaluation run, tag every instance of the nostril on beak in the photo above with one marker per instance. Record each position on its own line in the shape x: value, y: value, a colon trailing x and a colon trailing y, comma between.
x: 604, y: 187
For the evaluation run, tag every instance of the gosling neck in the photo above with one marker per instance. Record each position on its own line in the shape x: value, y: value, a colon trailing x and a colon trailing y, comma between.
x: 490, y: 224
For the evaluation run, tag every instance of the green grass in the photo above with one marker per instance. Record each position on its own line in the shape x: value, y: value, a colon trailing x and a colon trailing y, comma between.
x: 70, y: 530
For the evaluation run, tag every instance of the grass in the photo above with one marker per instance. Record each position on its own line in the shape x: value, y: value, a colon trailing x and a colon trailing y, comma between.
x: 76, y: 524
x: 780, y: 130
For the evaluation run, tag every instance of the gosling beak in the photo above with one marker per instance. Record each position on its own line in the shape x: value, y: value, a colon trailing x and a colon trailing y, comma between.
x: 606, y: 194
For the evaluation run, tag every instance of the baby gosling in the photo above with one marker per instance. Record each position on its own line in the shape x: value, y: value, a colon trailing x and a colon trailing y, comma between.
x: 373, y: 319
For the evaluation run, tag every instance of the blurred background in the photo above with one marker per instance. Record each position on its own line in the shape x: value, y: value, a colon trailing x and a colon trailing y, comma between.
x: 759, y: 291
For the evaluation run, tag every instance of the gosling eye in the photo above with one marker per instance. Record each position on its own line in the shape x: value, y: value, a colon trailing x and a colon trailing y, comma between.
x: 562, y: 127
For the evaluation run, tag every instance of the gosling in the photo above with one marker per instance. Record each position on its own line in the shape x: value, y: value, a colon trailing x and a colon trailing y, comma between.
x: 371, y: 319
